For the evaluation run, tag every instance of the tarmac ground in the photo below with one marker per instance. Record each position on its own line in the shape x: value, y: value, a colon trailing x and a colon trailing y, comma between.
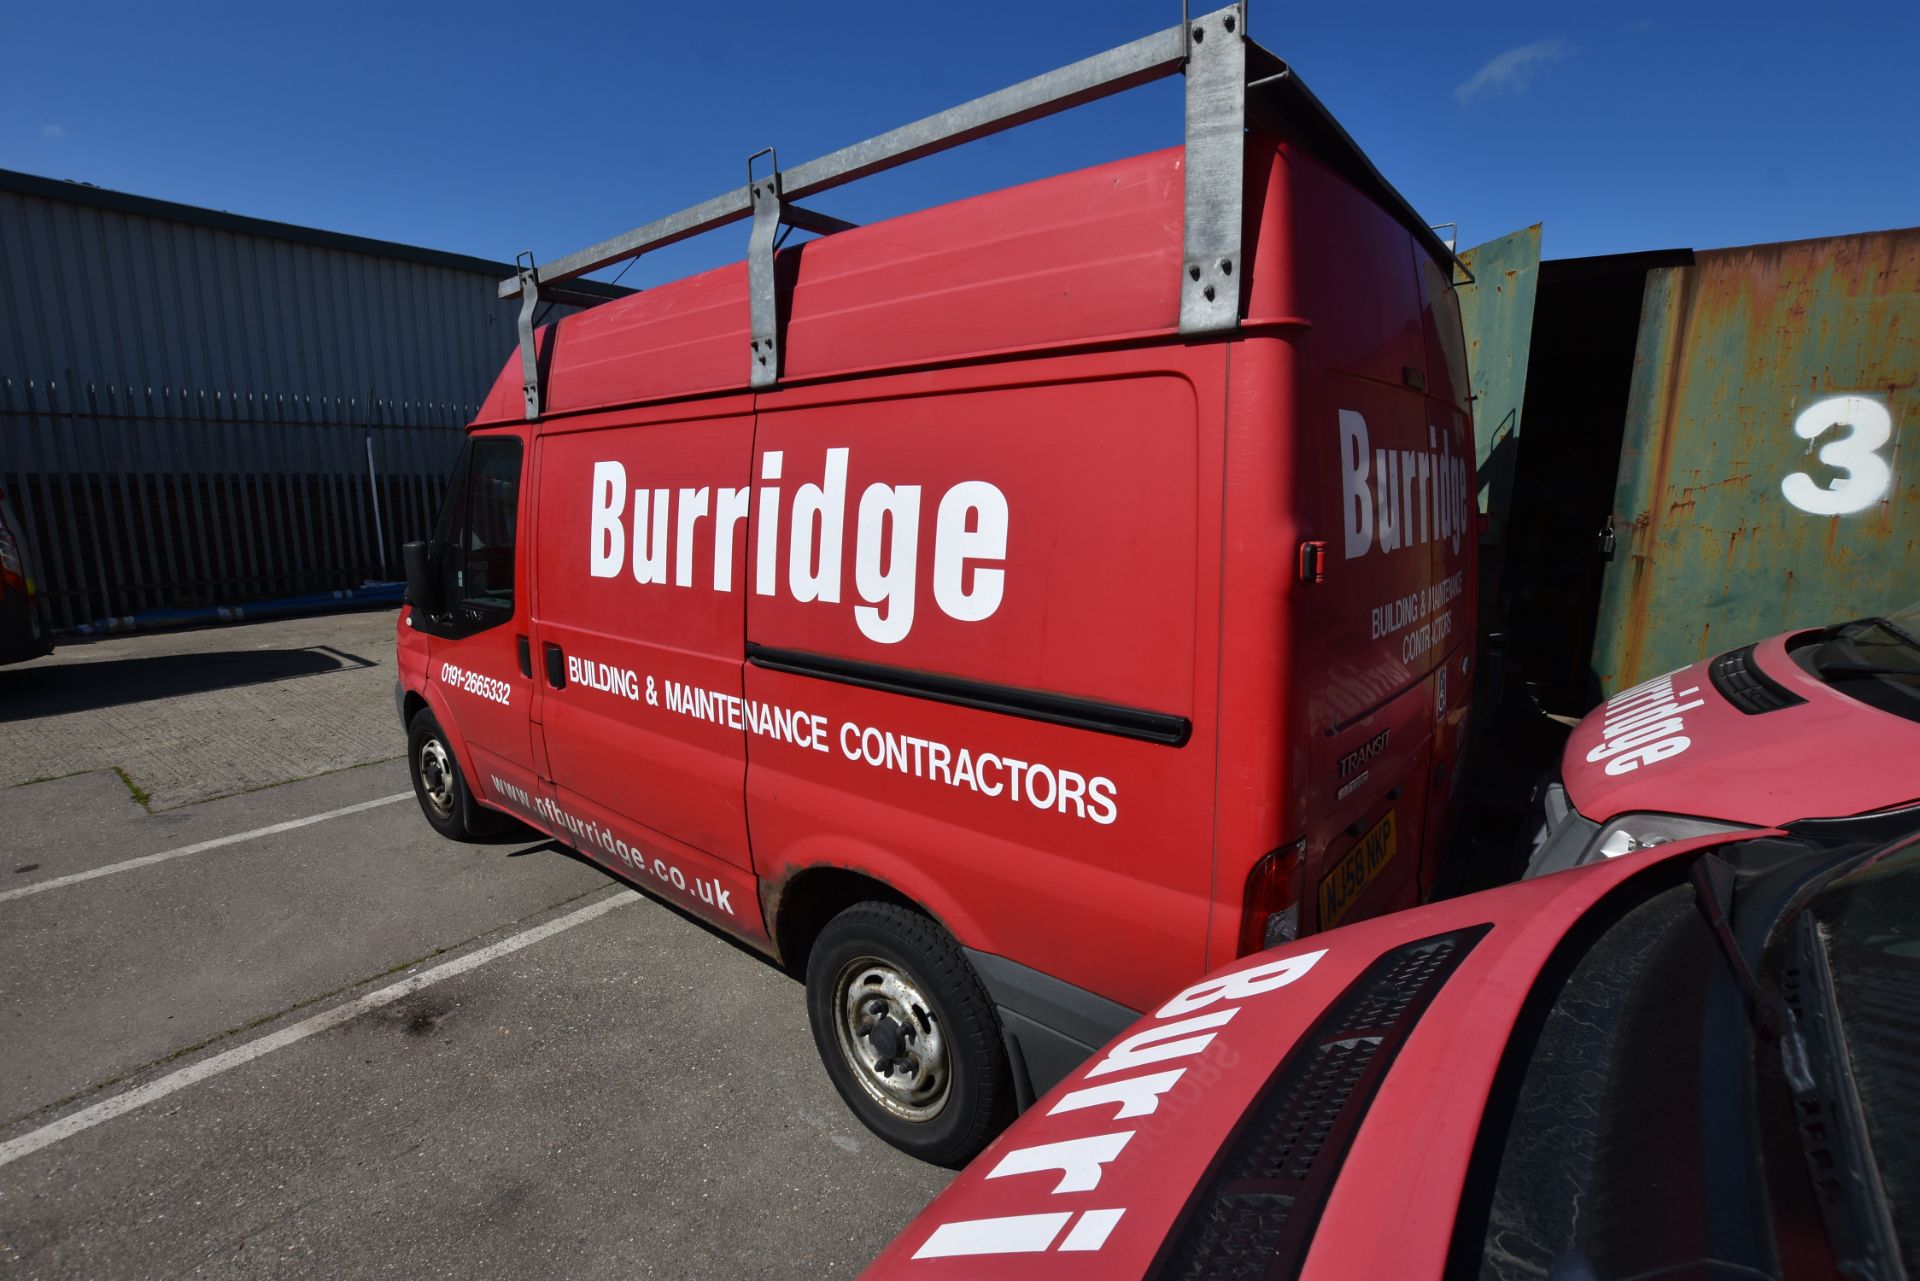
x: 259, y: 1020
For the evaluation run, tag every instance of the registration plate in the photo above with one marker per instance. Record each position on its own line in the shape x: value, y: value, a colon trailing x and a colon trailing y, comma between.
x: 1349, y: 879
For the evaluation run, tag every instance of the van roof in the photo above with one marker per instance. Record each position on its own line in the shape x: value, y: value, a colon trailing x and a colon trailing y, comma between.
x: 1092, y: 255
x: 1087, y: 256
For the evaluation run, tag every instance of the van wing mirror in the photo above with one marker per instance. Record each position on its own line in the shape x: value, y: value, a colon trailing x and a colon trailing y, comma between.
x: 423, y: 579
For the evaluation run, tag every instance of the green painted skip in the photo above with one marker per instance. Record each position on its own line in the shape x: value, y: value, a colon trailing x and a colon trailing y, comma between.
x: 1496, y: 311
x: 1770, y: 469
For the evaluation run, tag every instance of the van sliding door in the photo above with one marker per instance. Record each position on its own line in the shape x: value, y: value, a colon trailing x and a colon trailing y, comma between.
x: 639, y: 631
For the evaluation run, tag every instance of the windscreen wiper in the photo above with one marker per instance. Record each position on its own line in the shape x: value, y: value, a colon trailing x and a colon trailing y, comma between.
x: 1845, y: 668
x: 1712, y: 878
x: 1832, y: 1124
x: 1832, y: 1127
x: 1897, y: 630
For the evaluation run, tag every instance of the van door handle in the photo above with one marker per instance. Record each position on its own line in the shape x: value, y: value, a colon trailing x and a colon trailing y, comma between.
x: 525, y: 653
x: 556, y: 666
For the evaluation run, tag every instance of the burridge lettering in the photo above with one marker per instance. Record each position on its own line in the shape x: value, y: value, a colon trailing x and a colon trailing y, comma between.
x: 1416, y: 496
x: 969, y: 541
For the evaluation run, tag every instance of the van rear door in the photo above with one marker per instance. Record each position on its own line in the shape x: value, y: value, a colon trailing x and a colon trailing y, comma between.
x: 1391, y: 478
x: 1452, y: 598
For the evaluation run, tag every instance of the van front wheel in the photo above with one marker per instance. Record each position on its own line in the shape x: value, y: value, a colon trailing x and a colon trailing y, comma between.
x: 907, y: 1033
x: 438, y: 784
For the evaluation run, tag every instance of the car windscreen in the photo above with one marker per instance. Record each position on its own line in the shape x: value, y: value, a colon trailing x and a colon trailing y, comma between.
x: 1646, y: 1118
x: 1875, y: 660
x: 1600, y: 1118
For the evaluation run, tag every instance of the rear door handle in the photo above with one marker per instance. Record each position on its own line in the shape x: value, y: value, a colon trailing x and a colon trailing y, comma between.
x: 556, y: 666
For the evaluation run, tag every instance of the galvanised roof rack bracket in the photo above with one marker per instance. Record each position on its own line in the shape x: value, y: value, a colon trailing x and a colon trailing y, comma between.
x: 1222, y: 102
x: 762, y: 302
x: 1216, y: 164
x: 770, y: 213
x: 527, y: 280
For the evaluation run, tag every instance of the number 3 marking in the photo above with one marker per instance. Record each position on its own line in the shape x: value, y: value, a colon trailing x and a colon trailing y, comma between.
x: 1868, y: 475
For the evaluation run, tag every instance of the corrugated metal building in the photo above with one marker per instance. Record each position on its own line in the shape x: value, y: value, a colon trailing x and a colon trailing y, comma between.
x: 198, y: 407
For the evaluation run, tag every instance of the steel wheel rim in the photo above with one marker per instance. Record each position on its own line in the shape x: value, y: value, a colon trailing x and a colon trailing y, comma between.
x: 436, y: 776
x: 892, y: 1039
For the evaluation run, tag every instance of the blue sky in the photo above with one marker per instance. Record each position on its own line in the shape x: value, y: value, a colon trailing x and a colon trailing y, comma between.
x: 486, y: 129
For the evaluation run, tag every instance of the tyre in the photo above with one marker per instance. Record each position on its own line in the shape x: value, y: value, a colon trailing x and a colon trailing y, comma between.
x: 438, y: 784
x: 907, y: 1033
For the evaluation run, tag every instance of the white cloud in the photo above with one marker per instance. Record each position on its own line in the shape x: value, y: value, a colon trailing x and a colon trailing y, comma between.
x: 1512, y: 71
x: 53, y: 132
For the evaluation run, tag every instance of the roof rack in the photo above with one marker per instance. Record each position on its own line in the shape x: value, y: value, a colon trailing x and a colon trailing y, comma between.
x: 1232, y: 84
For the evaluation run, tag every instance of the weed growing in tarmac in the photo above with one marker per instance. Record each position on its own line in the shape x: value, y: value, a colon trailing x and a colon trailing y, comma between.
x: 139, y: 793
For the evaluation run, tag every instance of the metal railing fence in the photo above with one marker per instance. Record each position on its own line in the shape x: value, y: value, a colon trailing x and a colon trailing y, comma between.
x: 160, y: 498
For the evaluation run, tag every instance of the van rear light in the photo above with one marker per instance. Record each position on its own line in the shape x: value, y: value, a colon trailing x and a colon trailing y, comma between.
x: 1271, y: 913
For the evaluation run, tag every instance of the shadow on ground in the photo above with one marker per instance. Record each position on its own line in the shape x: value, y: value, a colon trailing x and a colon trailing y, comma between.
x: 27, y: 693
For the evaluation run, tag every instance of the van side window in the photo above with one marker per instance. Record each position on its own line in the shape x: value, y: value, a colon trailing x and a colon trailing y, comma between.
x: 478, y: 532
x: 483, y: 565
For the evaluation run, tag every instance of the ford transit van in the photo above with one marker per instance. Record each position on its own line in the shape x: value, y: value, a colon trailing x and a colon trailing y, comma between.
x: 1001, y: 614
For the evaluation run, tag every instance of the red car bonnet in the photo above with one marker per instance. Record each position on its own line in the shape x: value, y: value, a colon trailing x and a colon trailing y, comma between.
x: 1674, y: 745
x: 1092, y: 1180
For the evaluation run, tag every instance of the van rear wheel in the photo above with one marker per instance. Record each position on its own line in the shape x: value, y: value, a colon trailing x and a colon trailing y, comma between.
x: 439, y: 785
x: 907, y: 1033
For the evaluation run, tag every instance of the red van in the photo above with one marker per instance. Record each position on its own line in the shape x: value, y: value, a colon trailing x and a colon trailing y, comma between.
x: 1000, y: 614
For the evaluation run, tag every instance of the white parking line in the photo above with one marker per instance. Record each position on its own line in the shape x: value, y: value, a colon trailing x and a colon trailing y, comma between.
x: 147, y: 860
x: 121, y: 1104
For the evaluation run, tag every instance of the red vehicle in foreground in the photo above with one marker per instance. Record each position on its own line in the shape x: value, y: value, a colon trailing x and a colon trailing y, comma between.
x: 22, y: 635
x: 1695, y: 1063
x: 1807, y: 725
